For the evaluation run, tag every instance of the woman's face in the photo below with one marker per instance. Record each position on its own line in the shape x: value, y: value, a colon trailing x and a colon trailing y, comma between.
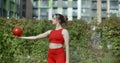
x: 55, y: 20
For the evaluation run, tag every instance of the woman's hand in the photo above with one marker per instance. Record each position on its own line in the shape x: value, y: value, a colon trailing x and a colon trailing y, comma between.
x: 16, y: 36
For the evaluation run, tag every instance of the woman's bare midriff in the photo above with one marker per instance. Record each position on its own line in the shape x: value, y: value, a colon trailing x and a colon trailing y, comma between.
x: 55, y: 46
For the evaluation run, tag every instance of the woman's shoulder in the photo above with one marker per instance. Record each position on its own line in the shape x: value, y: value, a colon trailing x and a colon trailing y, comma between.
x: 64, y: 31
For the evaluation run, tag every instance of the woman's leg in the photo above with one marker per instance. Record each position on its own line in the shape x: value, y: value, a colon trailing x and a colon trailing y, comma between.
x: 61, y: 57
x: 50, y: 58
x: 56, y: 56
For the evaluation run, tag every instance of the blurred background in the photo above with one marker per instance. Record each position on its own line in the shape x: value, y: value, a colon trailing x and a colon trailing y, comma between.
x: 93, y: 25
x: 74, y: 9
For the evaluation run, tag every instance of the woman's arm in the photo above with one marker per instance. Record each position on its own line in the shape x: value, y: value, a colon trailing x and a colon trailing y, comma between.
x: 38, y: 36
x: 66, y: 38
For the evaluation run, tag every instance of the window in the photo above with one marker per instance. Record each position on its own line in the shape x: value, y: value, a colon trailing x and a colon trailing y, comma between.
x: 85, y: 12
x: 23, y: 13
x: 35, y: 4
x: 44, y: 13
x: 24, y: 6
x: 74, y: 11
x: 0, y: 12
x: 54, y: 3
x: 64, y: 3
x: 4, y: 13
x: 104, y: 13
x: 11, y: 6
x: 94, y: 13
x: 74, y: 4
x: 64, y: 11
x: 18, y: 2
x: 104, y: 5
x: 113, y: 4
x: 103, y: 18
x: 44, y: 3
x: 23, y: 0
x: 86, y: 4
x: 74, y: 17
x: 54, y: 11
x: 0, y: 3
x: 35, y: 12
x: 11, y: 14
x: 94, y: 5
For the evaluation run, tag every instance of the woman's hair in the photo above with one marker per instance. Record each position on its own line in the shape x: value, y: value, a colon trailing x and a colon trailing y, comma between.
x: 63, y: 19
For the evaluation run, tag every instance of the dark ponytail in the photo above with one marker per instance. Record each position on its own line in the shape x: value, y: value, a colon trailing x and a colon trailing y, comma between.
x: 63, y: 19
x: 66, y: 19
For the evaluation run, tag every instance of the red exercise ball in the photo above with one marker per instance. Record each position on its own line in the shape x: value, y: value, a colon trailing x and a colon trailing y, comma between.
x: 17, y: 31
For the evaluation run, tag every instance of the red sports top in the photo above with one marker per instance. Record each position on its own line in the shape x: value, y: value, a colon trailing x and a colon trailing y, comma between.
x: 56, y: 36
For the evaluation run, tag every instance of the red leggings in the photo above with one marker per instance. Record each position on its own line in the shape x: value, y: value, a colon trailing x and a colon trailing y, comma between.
x: 56, y: 55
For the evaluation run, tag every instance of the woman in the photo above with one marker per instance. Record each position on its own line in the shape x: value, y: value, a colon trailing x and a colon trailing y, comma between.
x: 58, y: 38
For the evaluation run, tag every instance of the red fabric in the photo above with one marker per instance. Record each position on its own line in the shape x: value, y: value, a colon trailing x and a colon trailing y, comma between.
x: 56, y: 36
x: 56, y: 55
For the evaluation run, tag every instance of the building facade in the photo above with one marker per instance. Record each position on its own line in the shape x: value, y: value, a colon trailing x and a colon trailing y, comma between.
x: 73, y: 9
x: 9, y: 8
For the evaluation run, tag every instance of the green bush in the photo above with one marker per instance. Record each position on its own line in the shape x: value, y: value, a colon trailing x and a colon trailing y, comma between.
x: 15, y: 50
x: 110, y: 29
x: 24, y: 51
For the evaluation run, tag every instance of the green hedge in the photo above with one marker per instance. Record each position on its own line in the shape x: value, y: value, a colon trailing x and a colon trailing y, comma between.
x: 110, y: 29
x: 17, y: 50
x: 35, y: 51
